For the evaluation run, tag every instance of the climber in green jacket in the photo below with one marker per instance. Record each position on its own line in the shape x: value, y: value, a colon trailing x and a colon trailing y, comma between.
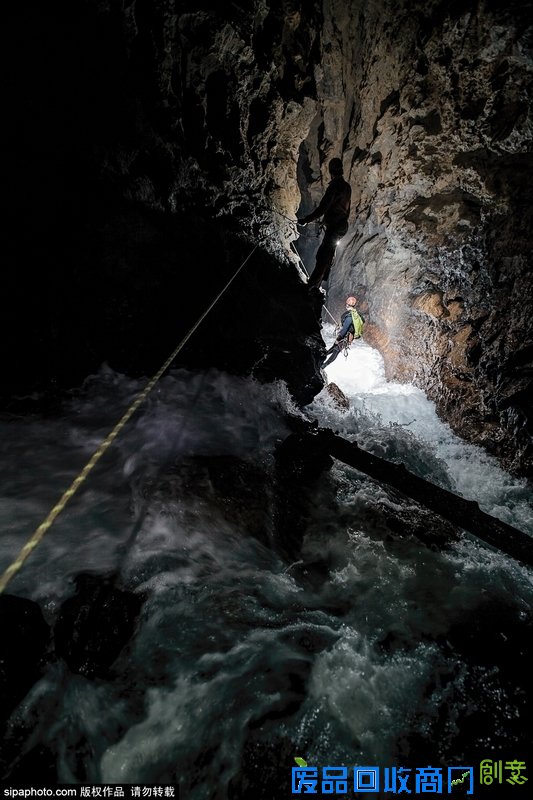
x: 352, y: 324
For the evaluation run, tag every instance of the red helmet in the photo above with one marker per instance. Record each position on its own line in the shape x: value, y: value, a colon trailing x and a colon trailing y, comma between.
x: 351, y: 301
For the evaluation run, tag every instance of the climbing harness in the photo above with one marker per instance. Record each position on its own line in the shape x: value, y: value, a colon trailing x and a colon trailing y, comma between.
x: 358, y: 324
x: 346, y: 345
x: 38, y: 534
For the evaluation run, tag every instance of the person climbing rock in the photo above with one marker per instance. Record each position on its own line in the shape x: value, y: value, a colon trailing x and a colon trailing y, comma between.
x: 352, y: 323
x: 335, y: 209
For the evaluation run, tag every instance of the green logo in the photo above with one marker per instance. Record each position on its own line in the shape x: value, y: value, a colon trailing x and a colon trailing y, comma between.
x: 461, y: 779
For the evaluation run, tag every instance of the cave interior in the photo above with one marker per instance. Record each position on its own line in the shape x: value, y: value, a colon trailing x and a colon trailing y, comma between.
x: 152, y: 145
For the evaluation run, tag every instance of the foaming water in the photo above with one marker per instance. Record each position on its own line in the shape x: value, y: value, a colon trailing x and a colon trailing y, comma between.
x: 240, y: 658
x: 378, y: 409
x: 200, y: 415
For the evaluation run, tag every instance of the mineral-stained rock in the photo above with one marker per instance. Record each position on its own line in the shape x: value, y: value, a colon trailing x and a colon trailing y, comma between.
x: 340, y: 399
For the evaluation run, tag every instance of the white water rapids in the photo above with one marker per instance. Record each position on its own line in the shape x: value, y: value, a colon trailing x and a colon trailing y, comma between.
x: 229, y: 636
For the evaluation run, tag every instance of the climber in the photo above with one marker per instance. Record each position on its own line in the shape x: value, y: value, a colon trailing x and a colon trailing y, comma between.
x: 335, y: 209
x: 351, y: 328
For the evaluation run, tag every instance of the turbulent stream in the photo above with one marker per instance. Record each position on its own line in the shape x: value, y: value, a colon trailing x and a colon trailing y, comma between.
x: 376, y: 646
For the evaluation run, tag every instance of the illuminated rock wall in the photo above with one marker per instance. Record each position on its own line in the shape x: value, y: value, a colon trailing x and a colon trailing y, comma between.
x: 436, y: 142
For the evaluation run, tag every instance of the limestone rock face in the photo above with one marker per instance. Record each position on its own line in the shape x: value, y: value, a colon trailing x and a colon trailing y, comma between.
x: 439, y: 252
x: 152, y: 112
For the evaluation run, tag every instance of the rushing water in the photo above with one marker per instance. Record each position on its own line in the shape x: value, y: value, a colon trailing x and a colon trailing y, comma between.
x: 240, y: 660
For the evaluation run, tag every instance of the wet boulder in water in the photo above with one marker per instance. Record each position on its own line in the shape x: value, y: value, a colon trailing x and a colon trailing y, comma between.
x: 95, y: 625
x: 339, y: 398
x: 303, y: 455
x: 496, y: 645
x: 237, y: 487
x: 24, y: 642
x: 233, y: 486
x: 486, y: 658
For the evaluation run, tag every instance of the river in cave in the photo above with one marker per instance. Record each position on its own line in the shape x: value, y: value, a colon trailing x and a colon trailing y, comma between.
x: 241, y: 660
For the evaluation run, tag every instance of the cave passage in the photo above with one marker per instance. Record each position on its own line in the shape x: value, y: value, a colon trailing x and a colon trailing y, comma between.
x: 199, y: 616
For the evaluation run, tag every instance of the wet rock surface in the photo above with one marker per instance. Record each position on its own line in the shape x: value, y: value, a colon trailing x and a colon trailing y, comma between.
x: 481, y: 643
x: 95, y: 625
x: 25, y: 642
x: 91, y: 630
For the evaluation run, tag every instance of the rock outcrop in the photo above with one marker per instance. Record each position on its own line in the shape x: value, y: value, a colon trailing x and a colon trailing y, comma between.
x: 436, y: 141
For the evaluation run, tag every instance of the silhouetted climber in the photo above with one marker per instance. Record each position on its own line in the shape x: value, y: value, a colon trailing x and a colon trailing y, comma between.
x: 351, y: 328
x: 335, y: 209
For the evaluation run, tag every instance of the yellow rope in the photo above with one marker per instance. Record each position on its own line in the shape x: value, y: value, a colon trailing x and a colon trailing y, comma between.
x: 38, y: 534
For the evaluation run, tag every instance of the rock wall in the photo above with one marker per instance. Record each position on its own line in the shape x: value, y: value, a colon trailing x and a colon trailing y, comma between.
x: 438, y: 149
x: 140, y: 123
x: 152, y: 140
